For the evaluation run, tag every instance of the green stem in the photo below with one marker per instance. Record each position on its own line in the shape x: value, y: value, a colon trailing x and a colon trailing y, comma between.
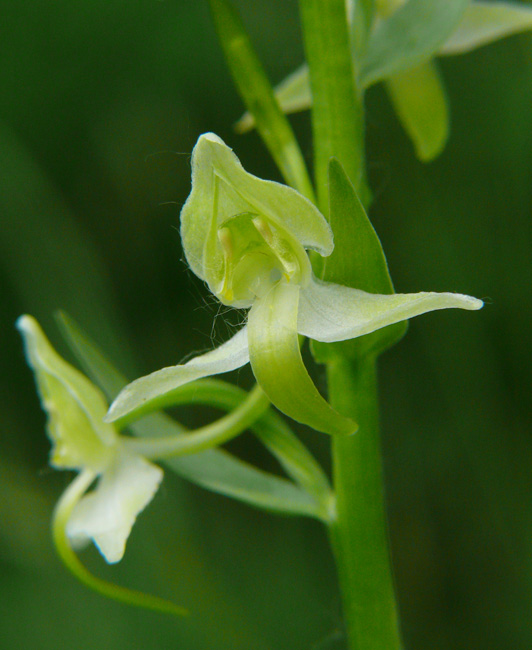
x: 270, y: 429
x: 337, y: 111
x: 212, y: 435
x: 359, y: 533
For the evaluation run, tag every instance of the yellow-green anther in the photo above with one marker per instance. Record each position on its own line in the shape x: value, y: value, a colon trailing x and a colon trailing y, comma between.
x: 264, y: 229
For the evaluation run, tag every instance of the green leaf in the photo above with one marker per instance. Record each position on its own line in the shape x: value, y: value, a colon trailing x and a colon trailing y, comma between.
x: 420, y: 102
x: 486, y: 22
x: 410, y: 36
x: 367, y: 269
x: 277, y: 364
x: 215, y: 469
x: 259, y: 98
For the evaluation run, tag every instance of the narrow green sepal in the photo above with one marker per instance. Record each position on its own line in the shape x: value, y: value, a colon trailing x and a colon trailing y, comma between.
x: 357, y: 261
x: 293, y: 95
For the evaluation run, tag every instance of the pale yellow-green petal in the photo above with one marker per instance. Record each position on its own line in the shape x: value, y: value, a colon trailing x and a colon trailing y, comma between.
x: 420, y: 102
x: 74, y: 405
x: 409, y: 36
x: 277, y: 364
x: 331, y: 312
x: 144, y: 392
x: 485, y: 22
x: 107, y: 514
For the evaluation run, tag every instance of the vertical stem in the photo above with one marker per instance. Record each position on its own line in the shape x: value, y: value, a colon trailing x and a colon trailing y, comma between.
x: 359, y: 533
x: 337, y: 112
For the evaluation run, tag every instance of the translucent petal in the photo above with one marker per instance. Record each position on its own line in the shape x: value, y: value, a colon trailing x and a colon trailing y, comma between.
x: 293, y: 95
x: 222, y: 189
x: 485, y: 22
x: 420, y: 102
x: 411, y: 35
x: 74, y: 405
x: 278, y: 366
x: 331, y: 312
x: 107, y: 514
x: 146, y: 390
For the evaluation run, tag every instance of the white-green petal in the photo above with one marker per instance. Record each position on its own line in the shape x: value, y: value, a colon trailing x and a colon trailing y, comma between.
x: 293, y: 95
x: 278, y: 366
x: 410, y: 36
x: 485, y: 22
x: 143, y: 392
x: 74, y: 405
x: 331, y: 312
x: 420, y: 102
x: 107, y: 514
x: 222, y: 189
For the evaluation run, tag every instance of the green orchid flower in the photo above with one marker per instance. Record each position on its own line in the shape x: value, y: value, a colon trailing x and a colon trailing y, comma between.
x: 82, y: 441
x: 248, y: 238
x: 403, y: 40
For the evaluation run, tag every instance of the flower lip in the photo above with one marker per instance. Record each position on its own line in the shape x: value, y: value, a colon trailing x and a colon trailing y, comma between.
x: 82, y: 441
x: 256, y: 255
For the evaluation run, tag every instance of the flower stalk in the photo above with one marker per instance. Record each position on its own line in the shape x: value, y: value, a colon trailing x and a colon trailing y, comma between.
x: 337, y: 110
x: 62, y: 513
x: 359, y: 532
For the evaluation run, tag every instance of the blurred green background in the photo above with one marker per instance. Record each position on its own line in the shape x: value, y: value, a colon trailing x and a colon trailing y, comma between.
x: 101, y: 105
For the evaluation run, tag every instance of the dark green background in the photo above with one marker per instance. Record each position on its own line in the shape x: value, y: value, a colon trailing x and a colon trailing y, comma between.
x: 101, y: 105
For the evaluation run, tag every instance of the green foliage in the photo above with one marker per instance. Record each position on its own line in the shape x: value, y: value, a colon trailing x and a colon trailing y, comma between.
x: 95, y: 92
x: 357, y: 261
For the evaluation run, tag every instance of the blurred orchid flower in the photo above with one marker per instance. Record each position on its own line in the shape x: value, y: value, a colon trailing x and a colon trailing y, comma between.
x: 82, y: 441
x: 247, y: 238
x: 404, y: 39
